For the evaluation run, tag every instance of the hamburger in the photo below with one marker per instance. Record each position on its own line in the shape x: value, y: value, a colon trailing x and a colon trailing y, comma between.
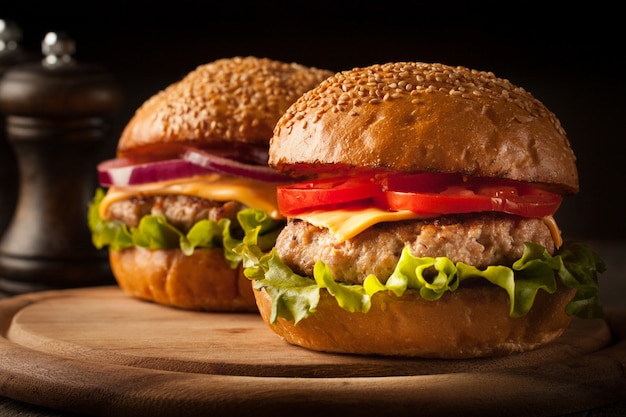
x: 424, y: 224
x: 190, y: 180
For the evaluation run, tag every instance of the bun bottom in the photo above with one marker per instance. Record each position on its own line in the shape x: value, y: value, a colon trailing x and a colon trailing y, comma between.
x: 200, y: 281
x: 468, y: 323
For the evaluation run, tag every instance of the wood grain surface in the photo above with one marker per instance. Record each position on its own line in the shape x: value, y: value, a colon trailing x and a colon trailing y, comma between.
x: 96, y: 350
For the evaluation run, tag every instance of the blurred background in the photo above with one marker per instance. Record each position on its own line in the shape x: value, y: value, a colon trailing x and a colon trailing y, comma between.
x: 569, y: 58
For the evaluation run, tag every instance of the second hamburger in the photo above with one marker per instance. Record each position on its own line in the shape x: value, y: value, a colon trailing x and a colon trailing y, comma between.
x: 426, y: 226
x: 191, y: 179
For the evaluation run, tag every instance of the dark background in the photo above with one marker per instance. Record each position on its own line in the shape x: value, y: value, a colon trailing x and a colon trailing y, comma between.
x: 569, y: 58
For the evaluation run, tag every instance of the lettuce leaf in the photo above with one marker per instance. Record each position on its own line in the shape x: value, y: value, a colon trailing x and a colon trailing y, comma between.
x: 295, y: 297
x: 155, y: 232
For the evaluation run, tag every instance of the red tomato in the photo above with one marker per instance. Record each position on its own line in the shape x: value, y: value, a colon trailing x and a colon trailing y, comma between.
x: 295, y: 198
x: 476, y: 196
x: 428, y: 193
x: 425, y: 182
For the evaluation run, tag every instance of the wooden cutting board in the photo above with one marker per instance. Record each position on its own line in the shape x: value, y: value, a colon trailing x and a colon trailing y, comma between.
x: 98, y: 351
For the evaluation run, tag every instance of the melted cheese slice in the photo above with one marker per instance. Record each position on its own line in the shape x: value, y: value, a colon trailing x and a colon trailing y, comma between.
x: 554, y: 230
x: 345, y: 224
x: 257, y: 194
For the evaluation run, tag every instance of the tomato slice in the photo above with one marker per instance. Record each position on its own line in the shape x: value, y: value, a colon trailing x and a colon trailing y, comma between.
x: 522, y: 200
x: 423, y: 182
x: 307, y: 195
x: 429, y: 194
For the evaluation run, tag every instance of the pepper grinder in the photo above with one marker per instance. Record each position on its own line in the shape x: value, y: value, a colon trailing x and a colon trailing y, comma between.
x: 11, y: 53
x: 58, y: 117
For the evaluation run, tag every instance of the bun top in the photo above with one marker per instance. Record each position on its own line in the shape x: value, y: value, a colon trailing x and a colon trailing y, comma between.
x: 412, y: 116
x: 230, y: 100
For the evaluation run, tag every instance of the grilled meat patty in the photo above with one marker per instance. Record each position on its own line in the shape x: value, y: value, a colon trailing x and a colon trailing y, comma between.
x: 478, y: 240
x: 181, y: 211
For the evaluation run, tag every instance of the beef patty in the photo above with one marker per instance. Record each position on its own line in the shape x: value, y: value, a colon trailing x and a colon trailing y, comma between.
x: 475, y: 239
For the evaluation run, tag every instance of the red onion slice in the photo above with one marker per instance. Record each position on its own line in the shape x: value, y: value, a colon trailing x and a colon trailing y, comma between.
x: 123, y: 171
x: 231, y: 167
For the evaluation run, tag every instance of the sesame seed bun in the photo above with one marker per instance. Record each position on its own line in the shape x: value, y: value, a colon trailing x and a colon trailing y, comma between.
x: 411, y: 116
x: 200, y: 281
x: 469, y: 323
x: 219, y: 105
x: 230, y: 100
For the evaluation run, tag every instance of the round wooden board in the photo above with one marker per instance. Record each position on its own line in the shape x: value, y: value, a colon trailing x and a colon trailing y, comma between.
x: 98, y: 351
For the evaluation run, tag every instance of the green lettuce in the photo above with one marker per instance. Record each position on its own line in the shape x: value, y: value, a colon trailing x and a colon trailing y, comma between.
x: 295, y: 297
x: 155, y: 232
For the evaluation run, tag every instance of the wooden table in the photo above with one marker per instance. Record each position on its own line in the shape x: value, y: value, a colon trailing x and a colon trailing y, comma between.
x: 97, y: 351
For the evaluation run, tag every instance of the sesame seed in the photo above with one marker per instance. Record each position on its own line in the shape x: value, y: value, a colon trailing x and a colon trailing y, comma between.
x: 225, y: 99
x: 346, y: 90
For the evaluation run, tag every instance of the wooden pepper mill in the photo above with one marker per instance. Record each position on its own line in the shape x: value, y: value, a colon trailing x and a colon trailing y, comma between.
x: 11, y: 53
x: 58, y: 115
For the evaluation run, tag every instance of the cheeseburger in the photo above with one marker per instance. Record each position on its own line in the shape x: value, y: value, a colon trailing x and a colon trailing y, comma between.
x: 191, y: 180
x: 424, y: 225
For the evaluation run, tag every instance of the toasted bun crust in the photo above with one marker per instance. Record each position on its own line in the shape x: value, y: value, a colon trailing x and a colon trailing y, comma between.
x: 200, y: 281
x: 222, y: 104
x: 229, y: 100
x: 468, y: 323
x: 411, y: 116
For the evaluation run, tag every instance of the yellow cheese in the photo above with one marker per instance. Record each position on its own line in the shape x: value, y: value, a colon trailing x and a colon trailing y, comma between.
x: 554, y: 230
x: 346, y: 224
x: 257, y: 194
